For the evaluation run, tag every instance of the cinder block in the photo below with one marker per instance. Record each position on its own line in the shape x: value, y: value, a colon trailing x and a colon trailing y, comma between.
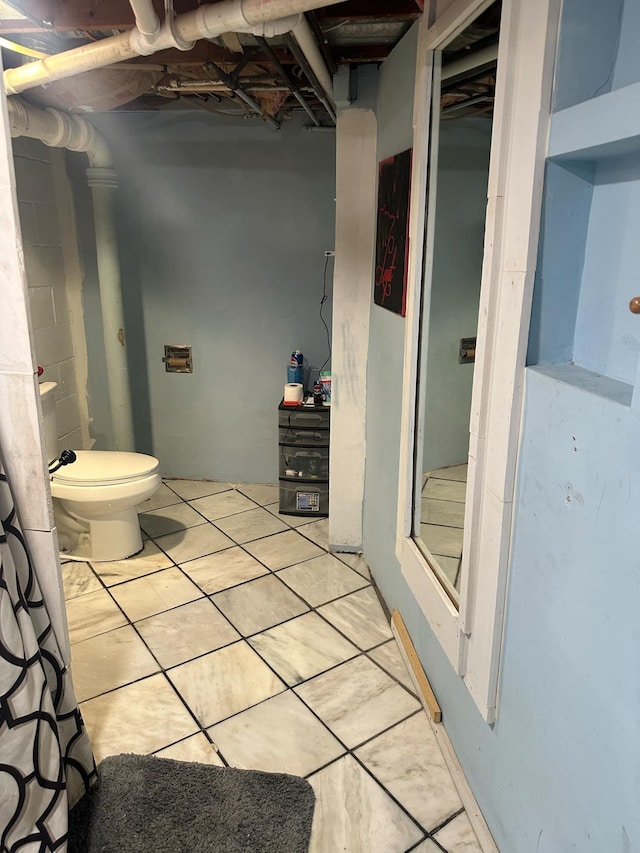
x: 68, y: 414
x: 34, y: 180
x: 28, y: 223
x: 44, y: 266
x: 68, y: 380
x: 53, y: 344
x: 71, y: 441
x: 48, y: 229
x: 41, y: 302
x: 61, y: 305
x: 50, y: 374
x: 33, y: 149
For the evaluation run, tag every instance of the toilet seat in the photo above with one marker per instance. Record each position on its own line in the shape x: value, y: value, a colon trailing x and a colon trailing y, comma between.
x: 105, y: 468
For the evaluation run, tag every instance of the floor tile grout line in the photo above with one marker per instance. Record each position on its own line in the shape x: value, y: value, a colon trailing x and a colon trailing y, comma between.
x: 287, y: 688
x: 394, y: 799
x: 351, y: 751
x: 390, y: 674
x: 389, y: 793
x: 347, y: 748
x: 242, y: 636
x: 274, y: 572
x: 323, y: 603
x: 177, y: 479
x: 186, y: 737
x: 447, y: 821
x: 291, y: 689
x: 204, y: 728
x: 236, y: 586
x: 195, y: 509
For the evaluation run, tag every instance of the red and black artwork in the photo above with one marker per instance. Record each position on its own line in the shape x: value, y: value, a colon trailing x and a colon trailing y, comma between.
x: 392, y: 235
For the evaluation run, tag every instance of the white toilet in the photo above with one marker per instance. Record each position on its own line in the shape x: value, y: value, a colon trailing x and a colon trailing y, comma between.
x: 95, y: 498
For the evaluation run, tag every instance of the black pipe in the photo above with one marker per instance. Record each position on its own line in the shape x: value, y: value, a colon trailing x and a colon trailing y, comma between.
x: 230, y: 81
x: 300, y: 58
x: 282, y: 73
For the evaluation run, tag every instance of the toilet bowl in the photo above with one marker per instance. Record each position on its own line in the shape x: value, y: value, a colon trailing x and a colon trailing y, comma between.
x: 95, y: 498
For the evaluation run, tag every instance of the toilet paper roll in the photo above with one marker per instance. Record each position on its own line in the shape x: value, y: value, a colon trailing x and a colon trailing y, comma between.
x: 293, y: 392
x: 176, y: 363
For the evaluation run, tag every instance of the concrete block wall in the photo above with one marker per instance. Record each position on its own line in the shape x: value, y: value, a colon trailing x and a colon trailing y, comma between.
x: 42, y: 220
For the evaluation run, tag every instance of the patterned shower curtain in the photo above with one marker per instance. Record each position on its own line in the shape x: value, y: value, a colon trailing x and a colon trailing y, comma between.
x: 46, y: 763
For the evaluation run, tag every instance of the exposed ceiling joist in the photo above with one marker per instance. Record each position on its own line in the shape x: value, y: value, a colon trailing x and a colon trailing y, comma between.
x: 354, y: 32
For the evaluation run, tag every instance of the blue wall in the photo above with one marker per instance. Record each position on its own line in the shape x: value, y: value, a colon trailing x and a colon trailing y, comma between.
x: 559, y: 770
x: 563, y: 236
x: 590, y: 37
x: 627, y: 65
x: 386, y: 342
x: 607, y: 338
x: 223, y: 227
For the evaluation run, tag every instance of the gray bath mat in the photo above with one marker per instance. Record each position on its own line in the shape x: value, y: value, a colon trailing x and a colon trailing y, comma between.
x: 144, y: 804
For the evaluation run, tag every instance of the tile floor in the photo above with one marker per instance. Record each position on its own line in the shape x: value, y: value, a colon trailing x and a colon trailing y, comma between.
x: 235, y: 638
x: 442, y: 519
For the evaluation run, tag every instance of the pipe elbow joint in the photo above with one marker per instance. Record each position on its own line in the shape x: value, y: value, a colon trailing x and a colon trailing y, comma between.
x: 18, y: 117
x: 270, y: 29
x: 142, y: 43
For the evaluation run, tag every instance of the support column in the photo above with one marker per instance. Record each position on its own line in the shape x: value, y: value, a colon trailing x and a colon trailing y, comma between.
x: 356, y: 140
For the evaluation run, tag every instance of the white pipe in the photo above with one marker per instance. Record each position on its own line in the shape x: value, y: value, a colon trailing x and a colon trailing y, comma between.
x: 58, y: 130
x: 61, y: 130
x: 146, y: 19
x: 208, y: 21
x: 303, y: 34
x: 474, y: 60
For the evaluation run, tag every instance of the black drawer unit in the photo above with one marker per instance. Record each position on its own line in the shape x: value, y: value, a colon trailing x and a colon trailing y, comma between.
x: 303, y: 460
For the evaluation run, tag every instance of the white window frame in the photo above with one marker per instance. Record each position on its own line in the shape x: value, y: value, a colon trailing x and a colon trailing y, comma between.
x: 472, y: 637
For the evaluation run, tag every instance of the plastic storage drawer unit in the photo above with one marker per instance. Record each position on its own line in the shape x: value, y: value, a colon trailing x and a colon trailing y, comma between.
x: 308, y: 463
x: 303, y: 464
x: 304, y: 498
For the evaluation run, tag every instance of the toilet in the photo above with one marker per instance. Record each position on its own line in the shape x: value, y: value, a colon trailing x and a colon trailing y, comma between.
x: 95, y: 498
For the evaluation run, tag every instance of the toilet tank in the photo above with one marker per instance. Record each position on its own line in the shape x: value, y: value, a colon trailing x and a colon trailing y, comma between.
x: 48, y: 402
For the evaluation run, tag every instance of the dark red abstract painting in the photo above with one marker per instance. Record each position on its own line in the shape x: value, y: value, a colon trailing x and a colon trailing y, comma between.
x: 392, y: 235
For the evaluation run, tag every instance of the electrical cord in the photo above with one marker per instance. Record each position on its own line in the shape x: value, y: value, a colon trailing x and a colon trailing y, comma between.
x: 322, y: 301
x: 67, y: 457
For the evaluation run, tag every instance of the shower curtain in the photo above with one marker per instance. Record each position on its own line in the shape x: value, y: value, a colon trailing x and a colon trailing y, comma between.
x: 46, y: 763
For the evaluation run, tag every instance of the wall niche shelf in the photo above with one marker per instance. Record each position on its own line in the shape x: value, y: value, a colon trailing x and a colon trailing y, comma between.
x: 603, y: 127
x: 590, y: 382
x: 582, y: 331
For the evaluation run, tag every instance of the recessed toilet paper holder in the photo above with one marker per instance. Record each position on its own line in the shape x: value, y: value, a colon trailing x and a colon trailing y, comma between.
x: 177, y: 359
x: 467, y: 351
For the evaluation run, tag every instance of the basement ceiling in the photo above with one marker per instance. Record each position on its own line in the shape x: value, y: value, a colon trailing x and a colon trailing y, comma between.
x: 216, y: 74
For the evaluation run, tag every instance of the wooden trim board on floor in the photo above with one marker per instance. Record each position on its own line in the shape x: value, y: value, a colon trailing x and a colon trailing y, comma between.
x: 434, y: 715
x: 425, y: 692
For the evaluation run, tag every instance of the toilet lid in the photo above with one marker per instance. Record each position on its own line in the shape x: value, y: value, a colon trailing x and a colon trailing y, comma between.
x: 105, y: 468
